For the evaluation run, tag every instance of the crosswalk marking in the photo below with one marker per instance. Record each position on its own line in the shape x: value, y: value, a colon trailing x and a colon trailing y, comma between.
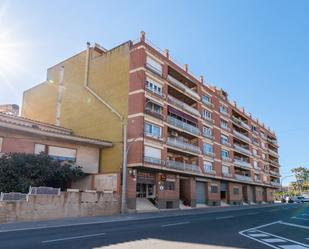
x: 257, y: 235
x: 293, y: 247
x: 273, y: 240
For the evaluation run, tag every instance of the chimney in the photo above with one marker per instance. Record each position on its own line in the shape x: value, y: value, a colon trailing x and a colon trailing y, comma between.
x: 202, y: 79
x: 186, y: 67
x: 142, y: 36
x: 166, y: 53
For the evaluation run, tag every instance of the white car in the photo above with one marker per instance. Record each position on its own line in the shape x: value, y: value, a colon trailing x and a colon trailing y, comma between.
x: 298, y: 199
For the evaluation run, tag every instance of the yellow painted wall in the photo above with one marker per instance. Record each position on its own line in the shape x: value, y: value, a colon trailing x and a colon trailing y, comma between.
x: 80, y: 110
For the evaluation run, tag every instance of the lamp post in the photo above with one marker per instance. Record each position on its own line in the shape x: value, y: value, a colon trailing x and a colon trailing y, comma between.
x: 282, y: 178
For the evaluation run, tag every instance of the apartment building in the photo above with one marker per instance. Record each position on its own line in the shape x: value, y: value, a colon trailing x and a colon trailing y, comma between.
x: 187, y: 143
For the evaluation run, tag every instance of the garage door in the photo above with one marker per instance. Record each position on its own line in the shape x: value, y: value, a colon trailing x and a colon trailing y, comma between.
x: 200, y: 192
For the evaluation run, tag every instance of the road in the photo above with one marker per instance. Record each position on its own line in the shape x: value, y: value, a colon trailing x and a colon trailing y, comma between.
x: 278, y: 226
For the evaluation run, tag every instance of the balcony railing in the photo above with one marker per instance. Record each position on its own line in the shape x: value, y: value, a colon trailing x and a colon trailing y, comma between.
x: 182, y: 166
x: 225, y: 113
x: 274, y: 142
x: 208, y: 135
x: 242, y: 163
x: 226, y: 174
x: 148, y: 134
x: 154, y: 113
x: 273, y: 162
x: 154, y: 91
x: 153, y: 160
x: 256, y: 156
x: 182, y: 125
x: 274, y: 173
x: 240, y: 123
x: 242, y: 150
x: 209, y: 104
x: 273, y: 153
x: 208, y: 119
x: 183, y: 145
x: 209, y: 154
x: 183, y: 105
x: 243, y: 178
x: 277, y: 184
x: 153, y: 69
x: 226, y: 159
x: 241, y: 136
x: 225, y: 128
x: 212, y: 172
x: 183, y: 87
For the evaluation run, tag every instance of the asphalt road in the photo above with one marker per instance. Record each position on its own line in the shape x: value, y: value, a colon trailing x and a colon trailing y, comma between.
x: 284, y: 226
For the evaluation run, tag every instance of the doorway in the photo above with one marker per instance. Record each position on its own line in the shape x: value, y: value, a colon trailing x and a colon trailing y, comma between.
x: 144, y: 190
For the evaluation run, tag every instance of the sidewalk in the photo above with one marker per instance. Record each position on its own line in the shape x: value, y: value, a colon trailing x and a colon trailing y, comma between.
x: 20, y: 226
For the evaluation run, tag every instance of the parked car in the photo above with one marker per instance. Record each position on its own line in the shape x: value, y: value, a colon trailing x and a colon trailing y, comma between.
x: 297, y: 199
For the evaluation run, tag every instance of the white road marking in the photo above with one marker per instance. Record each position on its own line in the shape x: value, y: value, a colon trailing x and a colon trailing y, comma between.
x: 293, y: 225
x: 260, y: 241
x: 257, y: 235
x: 298, y: 218
x: 225, y: 217
x: 273, y: 240
x: 175, y: 224
x: 293, y: 247
x: 72, y: 238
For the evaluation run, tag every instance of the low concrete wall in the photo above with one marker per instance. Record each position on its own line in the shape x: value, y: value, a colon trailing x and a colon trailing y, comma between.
x: 67, y: 204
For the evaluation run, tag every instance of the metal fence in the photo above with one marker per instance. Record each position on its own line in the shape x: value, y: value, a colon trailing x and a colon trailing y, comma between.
x: 13, y: 197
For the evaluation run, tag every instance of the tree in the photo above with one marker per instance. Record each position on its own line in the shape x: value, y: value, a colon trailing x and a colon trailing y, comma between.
x: 302, y: 178
x: 19, y: 171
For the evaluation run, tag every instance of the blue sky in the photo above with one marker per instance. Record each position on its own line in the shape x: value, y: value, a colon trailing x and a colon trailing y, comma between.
x: 258, y: 51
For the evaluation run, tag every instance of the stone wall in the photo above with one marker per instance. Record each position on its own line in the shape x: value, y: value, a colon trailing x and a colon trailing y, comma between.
x: 67, y: 204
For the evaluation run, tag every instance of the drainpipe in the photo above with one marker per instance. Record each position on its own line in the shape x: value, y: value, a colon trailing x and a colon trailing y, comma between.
x: 124, y: 133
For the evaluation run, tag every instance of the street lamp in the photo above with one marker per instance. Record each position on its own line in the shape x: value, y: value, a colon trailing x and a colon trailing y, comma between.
x: 282, y: 178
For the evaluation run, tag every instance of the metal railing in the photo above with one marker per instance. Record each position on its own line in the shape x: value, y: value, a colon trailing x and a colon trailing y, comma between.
x: 175, y: 142
x: 208, y: 135
x: 148, y: 134
x: 226, y: 159
x: 154, y: 113
x: 242, y: 150
x: 183, y: 87
x: 225, y: 128
x: 273, y: 153
x: 243, y: 178
x: 44, y: 191
x: 156, y: 92
x: 182, y: 166
x: 209, y: 154
x: 226, y: 174
x: 13, y: 196
x: 208, y: 119
x: 274, y: 162
x: 212, y: 172
x: 274, y: 173
x: 242, y: 163
x: 183, y: 105
x: 277, y: 184
x: 240, y: 123
x: 182, y: 125
x: 153, y: 160
x: 209, y: 104
x: 274, y: 142
x: 241, y: 136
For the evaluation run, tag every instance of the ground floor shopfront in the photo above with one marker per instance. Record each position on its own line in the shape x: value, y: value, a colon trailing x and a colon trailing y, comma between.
x: 166, y: 190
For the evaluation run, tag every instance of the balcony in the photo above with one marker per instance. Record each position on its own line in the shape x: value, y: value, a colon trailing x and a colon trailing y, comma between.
x: 183, y: 87
x: 152, y: 160
x: 154, y: 69
x: 242, y: 163
x: 273, y: 153
x: 274, y: 183
x: 226, y: 174
x: 208, y: 119
x: 153, y: 113
x: 225, y: 113
x: 226, y: 159
x: 243, y: 178
x: 183, y: 145
x: 225, y: 128
x: 182, y: 125
x: 183, y: 106
x: 272, y: 141
x: 209, y: 104
x: 256, y: 156
x: 208, y: 135
x: 209, y: 154
x: 151, y: 135
x: 275, y: 163
x: 274, y: 173
x: 211, y: 172
x: 241, y: 136
x: 182, y: 166
x: 242, y: 150
x: 240, y: 123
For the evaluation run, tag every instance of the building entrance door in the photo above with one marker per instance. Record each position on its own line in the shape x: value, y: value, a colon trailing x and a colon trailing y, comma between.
x: 144, y: 190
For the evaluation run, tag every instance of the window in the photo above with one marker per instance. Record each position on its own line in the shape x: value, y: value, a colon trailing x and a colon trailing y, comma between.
x: 265, y: 167
x: 224, y: 154
x: 208, y: 149
x: 206, y: 99
x: 255, y: 140
x: 263, y: 156
x: 223, y: 109
x: 257, y: 177
x: 169, y: 185
x: 207, y: 131
x: 263, y: 145
x: 38, y: 148
x: 154, y: 65
x: 152, y: 107
x: 254, y: 151
x: 254, y: 128
x: 152, y: 130
x: 153, y: 87
x: 1, y: 141
x: 224, y: 124
x: 213, y: 189
x: 208, y: 167
x: 206, y: 114
x: 236, y: 191
x: 152, y: 152
x: 224, y: 139
x: 63, y: 154
x: 255, y: 164
x: 225, y: 170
